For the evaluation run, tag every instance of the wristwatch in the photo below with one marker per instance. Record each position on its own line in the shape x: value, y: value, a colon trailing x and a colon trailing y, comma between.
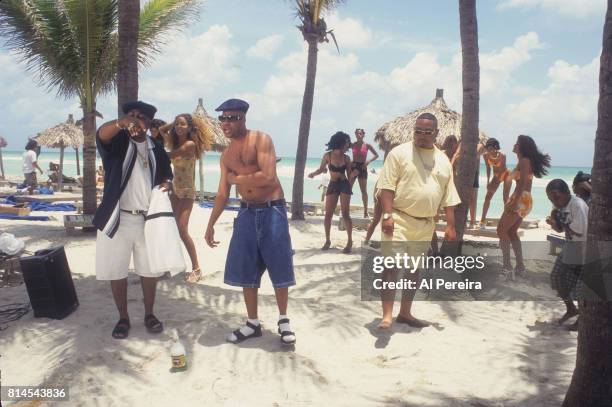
x: 387, y: 216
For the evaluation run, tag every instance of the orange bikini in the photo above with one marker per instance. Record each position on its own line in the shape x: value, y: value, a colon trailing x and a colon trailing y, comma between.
x: 525, y: 201
x: 497, y: 163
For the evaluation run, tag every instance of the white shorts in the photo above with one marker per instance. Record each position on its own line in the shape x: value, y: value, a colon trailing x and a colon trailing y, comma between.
x: 113, y: 255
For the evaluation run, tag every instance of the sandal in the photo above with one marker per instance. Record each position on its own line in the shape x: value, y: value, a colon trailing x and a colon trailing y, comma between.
x: 121, y: 329
x: 284, y: 334
x: 153, y: 324
x: 194, y: 276
x: 241, y: 337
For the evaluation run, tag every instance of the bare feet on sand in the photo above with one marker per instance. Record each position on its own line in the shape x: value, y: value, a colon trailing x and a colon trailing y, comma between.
x: 412, y: 321
x: 348, y: 248
x: 326, y: 245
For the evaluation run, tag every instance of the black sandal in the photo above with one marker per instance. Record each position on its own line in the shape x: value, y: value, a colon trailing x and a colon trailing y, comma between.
x: 283, y: 334
x: 241, y: 337
x: 121, y: 329
x: 153, y: 324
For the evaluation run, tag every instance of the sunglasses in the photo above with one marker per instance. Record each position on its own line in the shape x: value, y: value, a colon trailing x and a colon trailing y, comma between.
x: 230, y: 118
x: 426, y: 132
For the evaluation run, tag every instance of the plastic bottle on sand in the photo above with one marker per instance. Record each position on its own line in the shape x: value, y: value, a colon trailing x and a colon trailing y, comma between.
x: 178, y: 354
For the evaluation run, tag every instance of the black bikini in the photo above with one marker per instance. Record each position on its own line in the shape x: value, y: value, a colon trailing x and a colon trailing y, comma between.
x: 333, y: 168
x: 341, y: 186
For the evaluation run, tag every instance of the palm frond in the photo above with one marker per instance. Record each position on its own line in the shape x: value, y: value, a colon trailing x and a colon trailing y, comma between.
x: 160, y: 17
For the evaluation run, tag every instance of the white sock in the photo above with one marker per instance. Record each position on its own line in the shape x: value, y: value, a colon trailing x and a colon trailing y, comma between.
x: 286, y: 327
x: 244, y: 329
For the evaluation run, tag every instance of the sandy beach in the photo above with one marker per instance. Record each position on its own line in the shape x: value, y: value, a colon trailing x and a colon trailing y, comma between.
x: 477, y: 353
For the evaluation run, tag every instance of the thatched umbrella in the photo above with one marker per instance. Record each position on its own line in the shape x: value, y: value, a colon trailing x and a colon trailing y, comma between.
x: 220, y: 142
x: 63, y: 135
x: 3, y: 144
x: 400, y: 130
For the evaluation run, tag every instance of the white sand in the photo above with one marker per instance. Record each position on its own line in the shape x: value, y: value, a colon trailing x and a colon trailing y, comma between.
x: 478, y: 354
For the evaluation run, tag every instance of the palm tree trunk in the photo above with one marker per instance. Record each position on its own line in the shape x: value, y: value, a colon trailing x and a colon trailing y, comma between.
x: 592, y: 379
x: 466, y: 165
x: 76, y: 152
x: 127, y: 59
x: 1, y: 165
x: 297, y: 200
x: 60, y: 176
x: 89, y: 161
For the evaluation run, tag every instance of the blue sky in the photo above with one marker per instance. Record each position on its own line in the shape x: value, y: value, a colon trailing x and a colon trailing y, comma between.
x: 539, y: 71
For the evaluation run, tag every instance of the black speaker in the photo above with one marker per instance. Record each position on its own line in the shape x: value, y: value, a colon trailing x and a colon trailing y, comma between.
x: 49, y: 283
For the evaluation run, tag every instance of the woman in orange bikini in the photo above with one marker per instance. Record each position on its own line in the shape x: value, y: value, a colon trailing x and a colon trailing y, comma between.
x: 340, y: 175
x: 187, y: 137
x: 497, y: 160
x: 531, y: 162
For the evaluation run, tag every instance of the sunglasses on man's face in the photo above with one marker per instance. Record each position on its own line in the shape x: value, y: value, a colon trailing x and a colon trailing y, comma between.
x: 229, y: 118
x: 426, y: 132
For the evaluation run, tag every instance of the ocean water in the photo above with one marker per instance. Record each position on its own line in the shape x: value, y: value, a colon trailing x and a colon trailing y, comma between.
x: 12, y: 167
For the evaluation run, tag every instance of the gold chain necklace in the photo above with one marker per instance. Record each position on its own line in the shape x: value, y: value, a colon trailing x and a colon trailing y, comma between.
x: 144, y: 160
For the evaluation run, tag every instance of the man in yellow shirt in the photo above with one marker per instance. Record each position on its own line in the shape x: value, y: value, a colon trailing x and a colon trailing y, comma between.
x: 416, y: 180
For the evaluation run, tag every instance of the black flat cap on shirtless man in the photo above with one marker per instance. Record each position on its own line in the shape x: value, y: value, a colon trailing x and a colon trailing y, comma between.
x: 260, y: 239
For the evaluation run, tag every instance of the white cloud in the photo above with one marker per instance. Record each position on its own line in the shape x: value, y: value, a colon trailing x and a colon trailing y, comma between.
x: 497, y: 67
x: 566, y: 8
x: 350, y: 33
x: 569, y: 100
x: 188, y: 65
x: 266, y: 47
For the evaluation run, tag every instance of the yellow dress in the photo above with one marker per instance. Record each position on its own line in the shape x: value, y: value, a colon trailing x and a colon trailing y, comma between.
x: 184, y: 177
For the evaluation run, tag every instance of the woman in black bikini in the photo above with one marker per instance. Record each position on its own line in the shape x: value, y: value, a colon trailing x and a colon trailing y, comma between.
x: 340, y: 176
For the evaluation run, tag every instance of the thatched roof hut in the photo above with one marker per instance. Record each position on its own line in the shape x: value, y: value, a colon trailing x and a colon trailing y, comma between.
x: 400, y: 129
x: 67, y: 134
x: 220, y: 141
x: 63, y: 135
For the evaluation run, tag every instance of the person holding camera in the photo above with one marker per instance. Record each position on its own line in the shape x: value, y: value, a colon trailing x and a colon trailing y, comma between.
x: 570, y: 216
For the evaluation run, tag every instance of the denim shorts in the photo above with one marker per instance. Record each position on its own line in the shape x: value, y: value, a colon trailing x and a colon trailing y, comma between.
x: 260, y: 241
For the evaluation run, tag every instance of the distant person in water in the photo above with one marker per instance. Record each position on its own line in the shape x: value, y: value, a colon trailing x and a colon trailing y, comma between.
x: 360, y: 163
x: 570, y: 216
x: 30, y: 165
x: 496, y: 160
x: 531, y: 163
x: 582, y: 186
x: 341, y: 175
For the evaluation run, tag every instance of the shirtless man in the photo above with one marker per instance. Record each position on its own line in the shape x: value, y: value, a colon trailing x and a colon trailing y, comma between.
x: 260, y: 239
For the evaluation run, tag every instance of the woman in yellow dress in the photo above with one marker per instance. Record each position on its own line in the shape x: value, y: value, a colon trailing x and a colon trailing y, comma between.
x: 531, y: 162
x: 186, y: 137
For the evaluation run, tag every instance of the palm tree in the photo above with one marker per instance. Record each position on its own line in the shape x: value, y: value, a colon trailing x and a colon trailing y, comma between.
x: 466, y: 165
x: 592, y: 378
x: 314, y: 30
x: 127, y: 57
x: 71, y: 45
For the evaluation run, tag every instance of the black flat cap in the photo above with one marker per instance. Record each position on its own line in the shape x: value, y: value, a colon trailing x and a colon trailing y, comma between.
x: 233, y: 104
x: 147, y: 109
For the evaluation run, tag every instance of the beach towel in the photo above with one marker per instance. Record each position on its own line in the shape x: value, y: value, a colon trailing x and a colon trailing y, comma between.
x: 162, y: 238
x: 23, y: 217
x: 42, y: 206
